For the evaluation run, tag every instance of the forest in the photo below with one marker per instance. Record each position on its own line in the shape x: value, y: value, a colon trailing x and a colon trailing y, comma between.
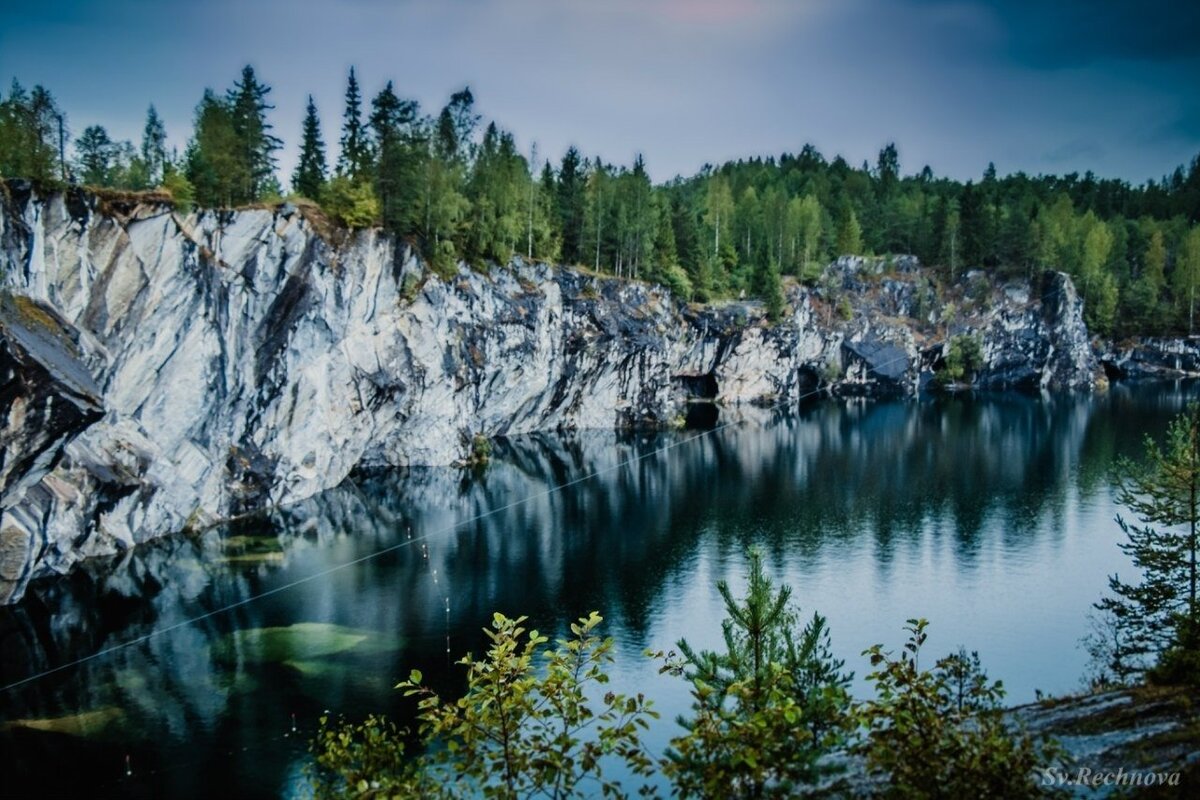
x: 460, y: 190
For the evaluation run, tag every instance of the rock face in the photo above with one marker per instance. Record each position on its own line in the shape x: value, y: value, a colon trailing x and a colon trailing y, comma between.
x: 1153, y: 358
x: 47, y: 397
x: 226, y: 361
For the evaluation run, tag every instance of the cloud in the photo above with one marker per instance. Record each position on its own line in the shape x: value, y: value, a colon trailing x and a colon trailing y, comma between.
x: 1073, y: 33
x: 1074, y: 151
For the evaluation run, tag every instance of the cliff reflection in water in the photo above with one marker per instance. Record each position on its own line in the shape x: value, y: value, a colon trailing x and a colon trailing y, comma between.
x: 972, y: 512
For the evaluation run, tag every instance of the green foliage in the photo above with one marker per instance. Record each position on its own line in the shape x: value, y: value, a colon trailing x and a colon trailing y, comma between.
x: 213, y: 162
x: 96, y: 153
x: 180, y: 188
x: 533, y: 722
x: 311, y: 173
x: 1154, y: 626
x: 571, y: 205
x: 355, y: 155
x: 351, y: 202
x: 364, y: 760
x: 255, y: 144
x: 481, y: 450
x: 941, y: 733
x: 964, y: 357
x: 29, y: 125
x: 230, y: 159
x: 844, y: 309
x: 1187, y: 274
x: 1133, y: 251
x: 154, y: 148
x: 768, y: 286
x: 849, y: 236
x: 766, y: 708
x: 771, y: 717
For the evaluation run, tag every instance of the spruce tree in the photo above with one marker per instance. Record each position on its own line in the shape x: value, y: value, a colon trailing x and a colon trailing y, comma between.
x: 571, y: 193
x: 394, y: 128
x: 248, y: 108
x: 849, y: 237
x: 355, y: 156
x: 154, y: 147
x: 310, y: 175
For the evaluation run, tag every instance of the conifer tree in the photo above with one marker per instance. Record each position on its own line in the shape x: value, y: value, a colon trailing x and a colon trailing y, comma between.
x: 849, y: 236
x: 95, y: 151
x: 214, y: 162
x: 1159, y: 617
x: 767, y: 707
x: 248, y: 108
x: 154, y: 147
x: 311, y: 171
x: 355, y: 155
x: 398, y: 142
x: 571, y: 192
x: 29, y: 129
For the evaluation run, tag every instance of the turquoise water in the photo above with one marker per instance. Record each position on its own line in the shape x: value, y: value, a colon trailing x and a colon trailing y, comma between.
x: 991, y: 517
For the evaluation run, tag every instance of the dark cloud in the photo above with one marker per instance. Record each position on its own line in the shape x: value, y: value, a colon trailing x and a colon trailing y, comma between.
x: 1073, y: 33
x: 1053, y: 86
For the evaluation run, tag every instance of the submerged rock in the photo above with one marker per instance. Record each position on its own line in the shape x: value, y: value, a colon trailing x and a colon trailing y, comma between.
x: 228, y: 361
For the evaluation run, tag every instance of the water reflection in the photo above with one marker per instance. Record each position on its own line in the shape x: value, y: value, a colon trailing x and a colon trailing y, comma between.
x: 983, y: 514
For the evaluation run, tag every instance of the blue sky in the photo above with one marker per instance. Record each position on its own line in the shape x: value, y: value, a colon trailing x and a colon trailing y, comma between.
x: 1041, y: 87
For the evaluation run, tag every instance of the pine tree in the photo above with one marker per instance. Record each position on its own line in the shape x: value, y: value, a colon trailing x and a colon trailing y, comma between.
x: 311, y: 172
x: 95, y: 151
x: 767, y: 707
x: 355, y: 156
x: 1160, y: 616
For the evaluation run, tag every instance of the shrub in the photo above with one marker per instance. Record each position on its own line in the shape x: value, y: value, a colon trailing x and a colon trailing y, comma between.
x: 941, y: 733
x: 964, y: 359
x: 481, y: 450
x: 351, y: 202
x: 183, y: 195
x: 516, y: 733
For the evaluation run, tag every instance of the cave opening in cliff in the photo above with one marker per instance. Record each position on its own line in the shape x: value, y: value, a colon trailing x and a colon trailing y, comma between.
x: 808, y: 381
x: 698, y: 387
x: 699, y: 393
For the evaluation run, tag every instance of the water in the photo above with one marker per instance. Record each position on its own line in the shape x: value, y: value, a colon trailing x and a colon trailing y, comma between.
x: 991, y: 517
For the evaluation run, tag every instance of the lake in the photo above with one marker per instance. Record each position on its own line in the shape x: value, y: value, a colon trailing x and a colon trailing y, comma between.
x: 991, y: 516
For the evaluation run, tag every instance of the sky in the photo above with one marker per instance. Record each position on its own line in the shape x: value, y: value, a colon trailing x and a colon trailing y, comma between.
x: 1043, y: 87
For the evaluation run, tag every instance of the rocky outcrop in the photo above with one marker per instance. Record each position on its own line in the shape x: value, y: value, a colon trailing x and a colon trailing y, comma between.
x: 241, y: 360
x: 1028, y: 345
x: 47, y: 397
x: 1152, y: 358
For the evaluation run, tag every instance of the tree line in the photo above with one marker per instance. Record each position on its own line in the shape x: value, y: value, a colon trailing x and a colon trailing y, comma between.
x: 461, y: 190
